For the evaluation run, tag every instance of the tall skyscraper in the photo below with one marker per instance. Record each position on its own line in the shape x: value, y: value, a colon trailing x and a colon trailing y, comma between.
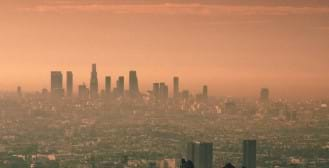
x: 156, y: 90
x: 57, y: 84
x: 107, y: 85
x: 93, y: 82
x: 205, y: 92
x: 133, y: 84
x: 166, y: 92
x: 69, y: 83
x: 120, y: 89
x: 200, y: 153
x: 249, y: 153
x: 264, y: 95
x: 83, y: 91
x: 176, y: 87
x: 163, y: 93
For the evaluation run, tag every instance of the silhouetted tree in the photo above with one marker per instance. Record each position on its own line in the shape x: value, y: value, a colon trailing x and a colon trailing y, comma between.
x: 189, y: 164
x: 228, y: 165
x: 186, y: 164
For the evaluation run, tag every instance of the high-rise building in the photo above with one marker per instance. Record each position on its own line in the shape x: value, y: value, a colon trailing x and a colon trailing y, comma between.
x: 56, y: 80
x: 163, y: 93
x: 205, y: 92
x: 69, y: 83
x: 249, y: 153
x: 93, y: 82
x: 176, y: 87
x: 120, y: 89
x: 264, y: 95
x: 107, y: 85
x: 57, y: 84
x: 200, y: 153
x: 83, y: 91
x: 133, y: 84
x: 156, y: 90
x: 166, y: 92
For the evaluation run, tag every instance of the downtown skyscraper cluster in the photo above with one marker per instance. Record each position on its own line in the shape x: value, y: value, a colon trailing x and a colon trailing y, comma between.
x: 57, y: 89
x: 160, y: 90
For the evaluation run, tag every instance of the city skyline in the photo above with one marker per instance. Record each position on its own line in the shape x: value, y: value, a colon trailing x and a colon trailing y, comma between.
x: 159, y: 90
x: 235, y: 47
x: 101, y: 84
x: 164, y: 83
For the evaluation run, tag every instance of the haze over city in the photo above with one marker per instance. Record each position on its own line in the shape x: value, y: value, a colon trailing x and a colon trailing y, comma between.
x: 164, y: 84
x: 234, y: 47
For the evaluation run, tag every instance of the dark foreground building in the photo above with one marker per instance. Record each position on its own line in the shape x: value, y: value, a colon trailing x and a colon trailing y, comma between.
x: 200, y: 153
x: 249, y: 153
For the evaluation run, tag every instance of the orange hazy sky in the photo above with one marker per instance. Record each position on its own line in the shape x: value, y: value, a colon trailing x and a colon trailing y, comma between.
x: 234, y: 47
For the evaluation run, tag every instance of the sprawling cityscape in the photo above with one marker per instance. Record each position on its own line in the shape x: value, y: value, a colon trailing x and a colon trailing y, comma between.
x: 121, y: 128
x: 164, y: 84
